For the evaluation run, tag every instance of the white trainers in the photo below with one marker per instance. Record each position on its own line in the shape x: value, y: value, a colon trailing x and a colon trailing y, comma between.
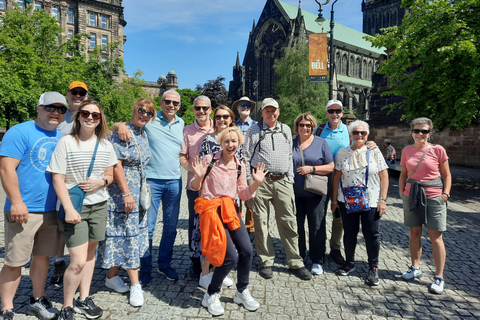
x: 412, y: 273
x: 437, y: 285
x: 212, y: 303
x: 227, y: 282
x: 317, y: 269
x: 136, y: 295
x: 246, y: 299
x: 205, y: 280
x: 117, y: 284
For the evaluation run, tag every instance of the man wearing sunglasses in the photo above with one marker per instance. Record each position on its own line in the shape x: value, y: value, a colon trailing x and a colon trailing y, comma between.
x: 30, y: 207
x: 76, y: 94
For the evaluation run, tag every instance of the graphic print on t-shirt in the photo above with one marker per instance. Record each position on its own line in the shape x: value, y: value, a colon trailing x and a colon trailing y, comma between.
x: 42, y: 152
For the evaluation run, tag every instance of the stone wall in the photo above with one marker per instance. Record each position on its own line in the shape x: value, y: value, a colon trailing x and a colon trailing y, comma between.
x: 463, y: 147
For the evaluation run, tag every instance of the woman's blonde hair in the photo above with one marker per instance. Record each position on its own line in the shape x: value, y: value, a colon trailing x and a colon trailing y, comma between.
x: 234, y: 129
x: 146, y: 104
x: 305, y: 116
x: 102, y: 127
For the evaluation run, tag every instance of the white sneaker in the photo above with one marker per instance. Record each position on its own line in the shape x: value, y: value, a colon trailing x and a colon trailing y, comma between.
x: 136, y: 295
x: 227, y: 282
x: 205, y: 280
x: 117, y: 284
x: 317, y: 269
x: 412, y: 273
x: 437, y: 285
x: 212, y: 303
x: 246, y: 299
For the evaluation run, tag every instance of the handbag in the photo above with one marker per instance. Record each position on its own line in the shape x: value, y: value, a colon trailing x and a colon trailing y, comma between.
x: 421, y: 214
x: 76, y: 194
x: 314, y: 183
x: 145, y: 191
x: 356, y: 198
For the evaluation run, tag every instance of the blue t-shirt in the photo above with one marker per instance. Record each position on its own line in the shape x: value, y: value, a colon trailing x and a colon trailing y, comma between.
x: 336, y: 139
x: 33, y: 146
x: 165, y: 140
x: 317, y: 153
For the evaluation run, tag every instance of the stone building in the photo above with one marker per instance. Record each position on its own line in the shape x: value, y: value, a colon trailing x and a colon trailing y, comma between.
x: 155, y: 89
x: 356, y: 60
x: 379, y: 14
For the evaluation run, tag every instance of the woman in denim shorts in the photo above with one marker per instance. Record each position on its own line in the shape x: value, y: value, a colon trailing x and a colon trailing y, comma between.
x: 424, y: 194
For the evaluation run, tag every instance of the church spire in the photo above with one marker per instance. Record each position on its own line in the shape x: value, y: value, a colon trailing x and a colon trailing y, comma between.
x: 237, y: 64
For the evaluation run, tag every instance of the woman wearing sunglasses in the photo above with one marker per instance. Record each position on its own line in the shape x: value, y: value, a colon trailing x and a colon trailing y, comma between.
x: 126, y: 239
x: 70, y: 165
x: 311, y: 155
x: 423, y: 167
x: 357, y: 167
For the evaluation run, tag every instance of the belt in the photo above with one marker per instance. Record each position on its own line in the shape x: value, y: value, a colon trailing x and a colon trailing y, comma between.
x: 274, y: 175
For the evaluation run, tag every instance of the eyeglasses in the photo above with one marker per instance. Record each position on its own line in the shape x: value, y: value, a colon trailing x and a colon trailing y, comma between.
x: 81, y: 93
x: 422, y: 131
x: 224, y: 117
x: 306, y: 125
x: 95, y: 115
x: 245, y: 105
x: 142, y: 112
x: 356, y: 133
x: 332, y: 111
x: 175, y: 103
x: 52, y: 108
x: 201, y: 108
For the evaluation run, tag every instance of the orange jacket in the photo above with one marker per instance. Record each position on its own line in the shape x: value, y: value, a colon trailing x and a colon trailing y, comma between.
x: 214, y: 240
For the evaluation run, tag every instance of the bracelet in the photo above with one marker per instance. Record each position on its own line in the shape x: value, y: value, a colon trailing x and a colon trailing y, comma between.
x: 334, y: 202
x: 126, y: 195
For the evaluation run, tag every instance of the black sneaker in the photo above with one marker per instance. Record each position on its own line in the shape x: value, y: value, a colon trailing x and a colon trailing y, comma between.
x: 346, y: 269
x: 337, y: 257
x: 66, y: 314
x: 58, y: 271
x: 372, y: 277
x: 7, y: 315
x: 88, y: 308
x: 41, y: 308
x: 266, y: 272
x: 302, y: 273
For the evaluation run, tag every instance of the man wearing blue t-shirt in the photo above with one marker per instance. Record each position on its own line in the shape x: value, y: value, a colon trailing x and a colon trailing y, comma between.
x: 30, y: 217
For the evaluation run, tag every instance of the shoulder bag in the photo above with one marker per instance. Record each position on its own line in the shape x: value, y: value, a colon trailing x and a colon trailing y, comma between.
x: 421, y: 212
x: 145, y: 192
x: 356, y: 198
x: 314, y: 183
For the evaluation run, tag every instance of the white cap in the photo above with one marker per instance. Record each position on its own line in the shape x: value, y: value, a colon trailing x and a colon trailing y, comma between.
x: 269, y: 102
x: 334, y: 102
x: 52, y: 97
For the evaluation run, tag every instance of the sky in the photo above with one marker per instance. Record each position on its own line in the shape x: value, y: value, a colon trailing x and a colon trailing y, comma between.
x: 199, y: 40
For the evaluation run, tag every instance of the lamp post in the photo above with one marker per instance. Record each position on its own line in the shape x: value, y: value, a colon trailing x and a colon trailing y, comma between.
x: 321, y: 19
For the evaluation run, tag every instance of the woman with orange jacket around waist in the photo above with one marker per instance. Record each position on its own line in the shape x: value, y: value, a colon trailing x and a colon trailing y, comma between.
x: 219, y: 177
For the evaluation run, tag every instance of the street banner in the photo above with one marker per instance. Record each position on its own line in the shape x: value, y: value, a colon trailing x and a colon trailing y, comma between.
x: 318, y: 57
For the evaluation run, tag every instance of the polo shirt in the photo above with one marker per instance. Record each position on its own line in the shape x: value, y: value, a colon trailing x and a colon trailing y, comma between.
x: 336, y: 139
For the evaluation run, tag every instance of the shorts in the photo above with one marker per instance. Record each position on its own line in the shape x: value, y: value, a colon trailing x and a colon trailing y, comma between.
x: 436, y: 214
x: 39, y: 236
x: 91, y: 228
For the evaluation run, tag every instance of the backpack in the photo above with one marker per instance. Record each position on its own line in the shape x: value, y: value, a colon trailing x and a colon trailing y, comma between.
x: 320, y: 129
x: 263, y: 133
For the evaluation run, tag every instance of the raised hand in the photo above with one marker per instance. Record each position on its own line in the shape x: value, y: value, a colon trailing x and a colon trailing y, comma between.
x: 259, y: 174
x: 199, y: 167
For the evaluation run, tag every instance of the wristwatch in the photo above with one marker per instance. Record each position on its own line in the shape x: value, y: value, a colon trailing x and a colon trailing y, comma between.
x: 384, y: 199
x: 447, y: 194
x: 106, y: 181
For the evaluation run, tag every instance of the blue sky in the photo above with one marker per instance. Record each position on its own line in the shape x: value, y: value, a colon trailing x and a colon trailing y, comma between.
x: 199, y: 40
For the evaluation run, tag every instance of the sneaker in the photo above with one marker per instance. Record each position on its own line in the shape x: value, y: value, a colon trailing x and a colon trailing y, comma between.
x: 169, y: 273
x: 372, y: 277
x: 266, y: 272
x: 66, y: 314
x: 337, y: 257
x: 302, y: 273
x: 437, y: 285
x: 7, y: 315
x: 212, y: 303
x: 88, y: 308
x: 246, y: 299
x: 42, y: 309
x: 136, y: 295
x: 58, y: 271
x: 205, y: 280
x: 412, y: 273
x: 227, y: 282
x: 116, y: 284
x: 346, y: 269
x: 317, y: 269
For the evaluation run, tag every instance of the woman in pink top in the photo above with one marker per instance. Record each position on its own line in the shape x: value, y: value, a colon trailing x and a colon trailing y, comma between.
x: 224, y: 235
x: 424, y: 198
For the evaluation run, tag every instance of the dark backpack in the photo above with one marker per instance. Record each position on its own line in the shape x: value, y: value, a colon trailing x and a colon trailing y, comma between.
x: 320, y: 129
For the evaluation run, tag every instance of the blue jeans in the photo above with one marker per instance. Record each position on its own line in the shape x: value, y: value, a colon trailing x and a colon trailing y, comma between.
x: 169, y: 193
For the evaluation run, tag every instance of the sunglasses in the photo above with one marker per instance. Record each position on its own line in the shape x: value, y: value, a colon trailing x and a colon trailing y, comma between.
x: 95, y: 115
x: 422, y: 131
x: 245, y: 105
x: 306, y: 125
x: 52, y: 108
x: 201, y: 108
x: 142, y: 112
x: 356, y: 133
x: 224, y: 117
x: 332, y: 111
x: 175, y: 103
x: 81, y: 93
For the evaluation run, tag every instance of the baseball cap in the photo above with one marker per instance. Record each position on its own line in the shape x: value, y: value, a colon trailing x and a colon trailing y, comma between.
x: 77, y: 84
x: 269, y: 102
x: 52, y: 97
x: 334, y: 102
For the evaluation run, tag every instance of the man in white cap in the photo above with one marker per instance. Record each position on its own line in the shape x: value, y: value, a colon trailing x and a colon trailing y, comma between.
x: 270, y: 142
x: 30, y: 216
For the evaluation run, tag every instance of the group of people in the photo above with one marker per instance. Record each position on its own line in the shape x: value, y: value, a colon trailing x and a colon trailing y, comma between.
x: 65, y: 151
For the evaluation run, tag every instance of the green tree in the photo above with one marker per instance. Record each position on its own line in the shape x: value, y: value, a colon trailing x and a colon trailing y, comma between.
x: 188, y: 95
x: 215, y: 90
x: 434, y: 61
x: 296, y: 94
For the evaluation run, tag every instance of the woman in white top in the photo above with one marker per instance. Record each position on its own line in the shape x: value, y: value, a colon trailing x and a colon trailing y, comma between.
x: 82, y: 230
x: 352, y: 165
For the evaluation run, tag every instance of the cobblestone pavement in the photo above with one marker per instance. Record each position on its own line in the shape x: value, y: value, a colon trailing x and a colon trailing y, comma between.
x: 324, y: 297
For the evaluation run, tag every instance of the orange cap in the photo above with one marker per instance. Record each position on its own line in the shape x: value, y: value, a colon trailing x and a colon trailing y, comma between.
x: 77, y: 84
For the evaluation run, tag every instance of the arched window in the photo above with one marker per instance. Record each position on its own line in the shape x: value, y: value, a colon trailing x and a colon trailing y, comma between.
x: 351, y: 67
x: 364, y: 75
x: 338, y: 62
x: 370, y: 71
x: 344, y: 64
x: 358, y: 66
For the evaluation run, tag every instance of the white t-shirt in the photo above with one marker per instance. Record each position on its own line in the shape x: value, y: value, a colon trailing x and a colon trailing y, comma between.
x: 351, y: 178
x: 73, y: 158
